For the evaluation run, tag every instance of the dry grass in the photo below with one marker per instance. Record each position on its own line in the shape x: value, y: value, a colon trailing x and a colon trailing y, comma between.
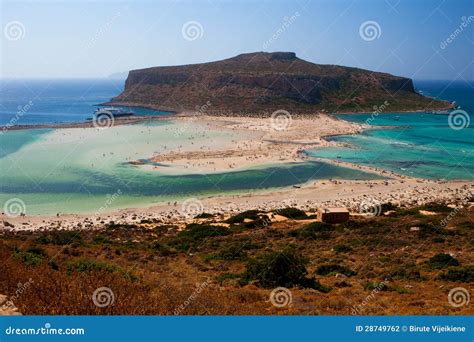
x: 157, y: 270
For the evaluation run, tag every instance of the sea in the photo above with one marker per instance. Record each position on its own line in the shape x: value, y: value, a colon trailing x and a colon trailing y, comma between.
x: 423, y: 144
x: 51, y: 171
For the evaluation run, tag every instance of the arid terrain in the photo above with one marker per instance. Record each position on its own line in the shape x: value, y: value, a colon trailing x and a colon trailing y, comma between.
x: 403, y: 261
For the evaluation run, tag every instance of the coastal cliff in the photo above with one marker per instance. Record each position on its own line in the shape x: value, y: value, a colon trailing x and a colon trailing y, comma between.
x: 264, y: 82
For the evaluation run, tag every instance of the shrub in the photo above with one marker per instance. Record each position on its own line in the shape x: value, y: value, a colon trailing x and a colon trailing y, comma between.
x: 311, y: 230
x: 232, y: 252
x: 280, y: 269
x: 195, y: 233
x: 204, y: 215
x: 292, y: 213
x: 461, y: 274
x: 330, y: 269
x: 342, y: 249
x: 239, y: 218
x: 162, y: 249
x: 442, y: 260
x: 31, y: 257
x: 88, y: 265
x: 61, y: 238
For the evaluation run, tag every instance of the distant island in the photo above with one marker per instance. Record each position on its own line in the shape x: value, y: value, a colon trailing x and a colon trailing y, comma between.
x: 263, y: 82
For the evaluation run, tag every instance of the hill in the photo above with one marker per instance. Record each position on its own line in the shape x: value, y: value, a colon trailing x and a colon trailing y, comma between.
x: 265, y: 82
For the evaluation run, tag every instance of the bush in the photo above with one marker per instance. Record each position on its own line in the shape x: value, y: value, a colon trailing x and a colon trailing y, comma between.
x: 30, y: 257
x: 330, y: 269
x: 87, y: 265
x: 285, y: 269
x: 461, y: 274
x: 442, y: 260
x: 195, y: 233
x: 291, y: 213
x: 342, y: 249
x: 61, y: 238
x: 162, y: 249
x: 204, y: 215
x: 239, y: 218
x: 232, y: 252
x: 311, y: 230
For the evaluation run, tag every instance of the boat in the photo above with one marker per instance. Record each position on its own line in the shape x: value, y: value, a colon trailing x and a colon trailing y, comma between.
x: 112, y: 112
x: 396, y: 118
x: 441, y: 112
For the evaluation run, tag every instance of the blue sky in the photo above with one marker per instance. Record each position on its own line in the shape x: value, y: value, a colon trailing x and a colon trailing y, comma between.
x: 66, y: 39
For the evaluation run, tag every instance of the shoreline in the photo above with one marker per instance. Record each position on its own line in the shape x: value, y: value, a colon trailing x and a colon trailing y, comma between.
x: 263, y: 145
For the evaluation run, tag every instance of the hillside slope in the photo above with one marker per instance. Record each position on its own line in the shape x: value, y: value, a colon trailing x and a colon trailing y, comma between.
x: 264, y: 82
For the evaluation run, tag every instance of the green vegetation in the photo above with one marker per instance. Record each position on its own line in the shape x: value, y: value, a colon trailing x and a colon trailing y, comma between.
x: 342, y: 249
x: 286, y: 269
x: 249, y: 214
x: 291, y: 213
x: 204, y: 216
x: 195, y: 234
x: 442, y: 260
x: 460, y: 274
x: 332, y: 269
x: 61, y: 238
x: 312, y: 230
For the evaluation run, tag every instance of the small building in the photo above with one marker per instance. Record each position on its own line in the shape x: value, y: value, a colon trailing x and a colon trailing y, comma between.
x: 333, y: 215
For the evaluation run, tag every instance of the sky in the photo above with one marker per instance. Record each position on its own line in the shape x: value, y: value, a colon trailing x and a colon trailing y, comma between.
x: 419, y: 39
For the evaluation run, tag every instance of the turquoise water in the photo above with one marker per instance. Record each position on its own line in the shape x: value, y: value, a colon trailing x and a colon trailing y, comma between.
x: 79, y: 170
x: 418, y: 144
x: 82, y: 170
x: 25, y: 102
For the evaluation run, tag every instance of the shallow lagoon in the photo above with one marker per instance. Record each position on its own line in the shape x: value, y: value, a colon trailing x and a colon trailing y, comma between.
x: 82, y: 169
